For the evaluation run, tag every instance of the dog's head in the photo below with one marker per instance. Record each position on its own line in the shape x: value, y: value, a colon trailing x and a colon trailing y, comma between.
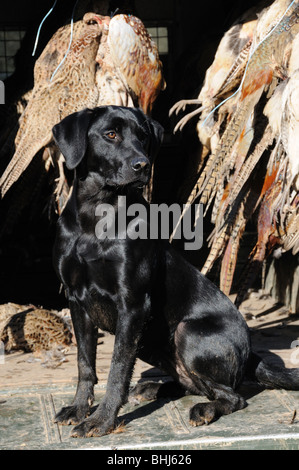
x: 117, y: 145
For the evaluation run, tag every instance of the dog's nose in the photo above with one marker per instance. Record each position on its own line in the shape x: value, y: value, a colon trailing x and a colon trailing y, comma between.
x: 140, y: 163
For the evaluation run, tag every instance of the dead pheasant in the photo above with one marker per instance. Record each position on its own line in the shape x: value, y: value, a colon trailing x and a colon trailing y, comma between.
x: 136, y: 58
x: 71, y: 89
x: 29, y: 328
x: 252, y: 162
x: 222, y: 77
x: 129, y: 72
x: 109, y: 62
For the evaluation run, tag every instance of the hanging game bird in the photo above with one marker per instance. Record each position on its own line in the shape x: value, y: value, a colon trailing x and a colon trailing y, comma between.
x: 110, y: 61
x: 250, y: 161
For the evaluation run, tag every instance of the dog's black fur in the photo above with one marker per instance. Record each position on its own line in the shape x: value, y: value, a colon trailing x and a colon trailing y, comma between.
x: 160, y: 308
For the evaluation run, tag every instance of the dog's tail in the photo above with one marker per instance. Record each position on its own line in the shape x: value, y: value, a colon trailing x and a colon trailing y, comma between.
x: 273, y: 376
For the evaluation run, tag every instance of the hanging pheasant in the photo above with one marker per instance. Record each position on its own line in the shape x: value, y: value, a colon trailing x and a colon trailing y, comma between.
x: 110, y: 61
x: 250, y: 140
x: 53, y: 98
x: 132, y: 59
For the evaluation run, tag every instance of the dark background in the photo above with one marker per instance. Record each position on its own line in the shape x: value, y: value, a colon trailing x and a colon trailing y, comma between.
x: 194, y: 31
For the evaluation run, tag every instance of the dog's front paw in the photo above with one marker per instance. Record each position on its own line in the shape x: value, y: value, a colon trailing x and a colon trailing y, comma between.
x: 92, y: 427
x: 71, y: 414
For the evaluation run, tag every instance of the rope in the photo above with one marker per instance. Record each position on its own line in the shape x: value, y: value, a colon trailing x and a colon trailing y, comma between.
x: 40, y: 27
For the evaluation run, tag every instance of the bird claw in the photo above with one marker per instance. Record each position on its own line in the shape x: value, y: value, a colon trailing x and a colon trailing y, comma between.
x: 181, y: 106
x: 180, y: 125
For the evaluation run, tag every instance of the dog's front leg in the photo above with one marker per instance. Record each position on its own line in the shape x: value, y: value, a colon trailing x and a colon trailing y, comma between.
x: 86, y: 336
x: 127, y: 336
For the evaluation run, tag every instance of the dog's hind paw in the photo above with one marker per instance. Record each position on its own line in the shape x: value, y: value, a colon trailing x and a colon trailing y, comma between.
x: 144, y: 391
x: 147, y: 391
x: 206, y: 413
x: 202, y: 413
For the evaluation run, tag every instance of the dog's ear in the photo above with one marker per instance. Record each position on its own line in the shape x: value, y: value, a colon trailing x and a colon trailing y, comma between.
x: 157, y: 133
x: 70, y: 135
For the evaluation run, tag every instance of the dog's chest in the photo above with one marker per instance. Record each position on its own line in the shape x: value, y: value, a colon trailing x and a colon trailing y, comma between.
x: 103, y: 313
x: 93, y: 283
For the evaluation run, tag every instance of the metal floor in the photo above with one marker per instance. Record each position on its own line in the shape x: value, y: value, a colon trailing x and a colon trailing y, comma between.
x: 26, y: 422
x: 31, y: 393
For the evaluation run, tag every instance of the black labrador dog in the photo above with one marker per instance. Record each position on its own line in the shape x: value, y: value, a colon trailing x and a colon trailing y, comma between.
x: 160, y: 308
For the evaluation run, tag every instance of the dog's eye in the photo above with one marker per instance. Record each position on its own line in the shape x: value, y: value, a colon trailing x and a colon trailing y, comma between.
x: 111, y: 135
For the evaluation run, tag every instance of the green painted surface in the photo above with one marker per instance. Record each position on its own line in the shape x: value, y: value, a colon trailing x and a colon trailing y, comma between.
x: 26, y: 422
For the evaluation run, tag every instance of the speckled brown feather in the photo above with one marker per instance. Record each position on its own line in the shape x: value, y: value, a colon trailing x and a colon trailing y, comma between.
x: 124, y: 69
x: 33, y: 329
x: 71, y: 89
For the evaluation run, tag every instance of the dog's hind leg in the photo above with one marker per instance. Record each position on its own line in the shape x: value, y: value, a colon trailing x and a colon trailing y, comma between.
x: 209, y: 365
x: 86, y: 337
x: 225, y: 402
